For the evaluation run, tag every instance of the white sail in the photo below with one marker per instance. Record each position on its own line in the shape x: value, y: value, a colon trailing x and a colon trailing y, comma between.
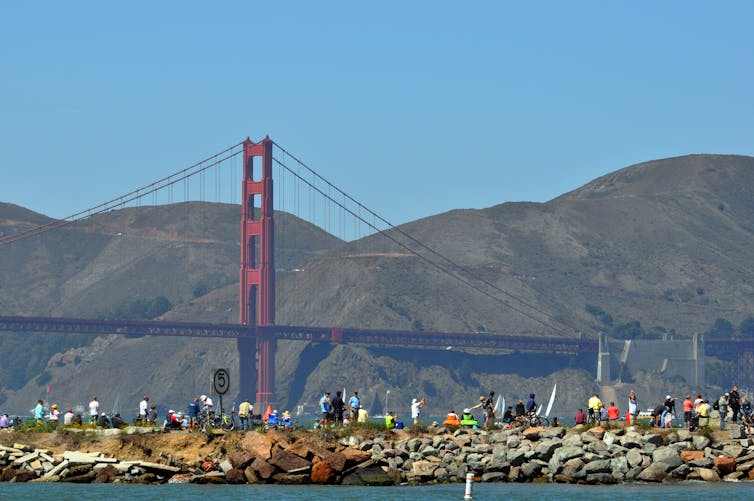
x: 500, y: 405
x: 116, y: 407
x: 539, y: 410
x: 552, y: 400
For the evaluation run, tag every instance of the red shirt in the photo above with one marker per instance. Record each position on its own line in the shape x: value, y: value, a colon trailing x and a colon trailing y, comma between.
x: 612, y: 413
x: 688, y: 405
x: 580, y: 418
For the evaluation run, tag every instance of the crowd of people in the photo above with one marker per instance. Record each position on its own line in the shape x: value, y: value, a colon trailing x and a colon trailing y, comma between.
x: 697, y: 412
x: 334, y: 410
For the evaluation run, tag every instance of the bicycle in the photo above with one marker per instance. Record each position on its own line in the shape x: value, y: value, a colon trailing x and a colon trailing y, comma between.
x: 535, y: 419
x: 593, y: 417
x: 209, y: 420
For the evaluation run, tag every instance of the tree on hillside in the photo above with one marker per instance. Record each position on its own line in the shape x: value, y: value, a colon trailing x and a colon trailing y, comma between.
x: 746, y: 329
x: 721, y: 329
x: 629, y: 330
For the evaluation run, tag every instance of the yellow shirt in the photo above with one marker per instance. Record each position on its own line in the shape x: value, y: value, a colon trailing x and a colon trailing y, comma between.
x: 595, y: 403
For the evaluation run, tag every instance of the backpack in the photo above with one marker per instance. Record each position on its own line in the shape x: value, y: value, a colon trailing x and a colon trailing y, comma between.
x: 716, y: 405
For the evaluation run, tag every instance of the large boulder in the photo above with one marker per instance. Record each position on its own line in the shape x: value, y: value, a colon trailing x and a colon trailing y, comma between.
x: 322, y: 473
x: 263, y: 469
x: 288, y: 462
x: 724, y: 464
x: 655, y: 472
x: 562, y: 455
x: 667, y: 456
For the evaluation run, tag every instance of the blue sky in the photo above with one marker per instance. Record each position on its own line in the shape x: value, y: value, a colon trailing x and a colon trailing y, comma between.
x: 415, y: 108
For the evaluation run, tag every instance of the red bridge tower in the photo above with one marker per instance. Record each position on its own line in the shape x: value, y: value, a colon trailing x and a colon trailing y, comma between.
x: 257, y: 280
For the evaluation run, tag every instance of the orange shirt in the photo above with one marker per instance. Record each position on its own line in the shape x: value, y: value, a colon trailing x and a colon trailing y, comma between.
x: 612, y: 413
x: 688, y: 405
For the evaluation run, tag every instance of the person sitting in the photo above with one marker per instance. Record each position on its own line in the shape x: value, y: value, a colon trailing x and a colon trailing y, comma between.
x: 612, y: 412
x: 467, y: 419
x: 118, y: 420
x: 287, y: 419
x: 68, y: 417
x: 363, y: 416
x: 4, y: 421
x: 172, y: 421
x: 389, y: 421
x: 78, y: 420
x: 508, y: 416
x: 103, y: 421
x: 580, y: 417
x: 152, y: 415
x: 273, y: 419
x: 452, y: 419
x: 520, y: 412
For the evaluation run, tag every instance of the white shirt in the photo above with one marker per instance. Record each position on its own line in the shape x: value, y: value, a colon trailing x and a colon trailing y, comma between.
x: 143, y: 408
x: 415, y: 409
x: 208, y: 404
x: 93, y: 408
x: 68, y: 418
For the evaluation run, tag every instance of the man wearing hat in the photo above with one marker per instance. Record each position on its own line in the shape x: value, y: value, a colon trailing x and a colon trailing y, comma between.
x: 68, y: 417
x: 416, y: 407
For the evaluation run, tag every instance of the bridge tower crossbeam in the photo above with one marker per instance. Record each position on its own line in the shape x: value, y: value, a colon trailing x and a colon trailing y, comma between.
x: 257, y: 274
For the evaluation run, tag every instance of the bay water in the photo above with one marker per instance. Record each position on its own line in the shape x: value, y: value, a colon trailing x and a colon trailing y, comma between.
x: 492, y: 491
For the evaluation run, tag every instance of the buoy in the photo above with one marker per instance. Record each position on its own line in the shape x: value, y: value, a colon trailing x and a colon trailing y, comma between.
x: 469, y: 484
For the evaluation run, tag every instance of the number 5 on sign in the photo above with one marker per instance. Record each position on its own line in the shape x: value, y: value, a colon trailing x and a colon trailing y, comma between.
x: 221, y: 381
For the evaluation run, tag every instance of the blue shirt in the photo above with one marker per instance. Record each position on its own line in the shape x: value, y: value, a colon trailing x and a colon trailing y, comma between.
x: 193, y: 409
x: 354, y: 402
x: 39, y: 411
x: 324, y: 404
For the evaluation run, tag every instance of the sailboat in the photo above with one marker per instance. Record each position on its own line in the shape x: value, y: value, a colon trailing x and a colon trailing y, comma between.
x: 552, y: 400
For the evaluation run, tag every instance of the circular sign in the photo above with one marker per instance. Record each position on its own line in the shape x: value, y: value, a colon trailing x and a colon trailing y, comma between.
x: 221, y: 381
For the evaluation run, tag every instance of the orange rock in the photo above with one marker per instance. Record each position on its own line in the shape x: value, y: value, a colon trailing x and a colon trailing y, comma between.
x: 687, y: 456
x: 322, y: 473
x: 208, y: 466
x: 258, y: 444
x: 356, y: 456
x: 725, y: 464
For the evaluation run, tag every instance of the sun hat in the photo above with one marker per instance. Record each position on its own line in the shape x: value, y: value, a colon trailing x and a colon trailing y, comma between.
x: 466, y: 411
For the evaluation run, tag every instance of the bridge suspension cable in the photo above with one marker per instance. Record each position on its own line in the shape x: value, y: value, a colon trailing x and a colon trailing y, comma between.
x: 462, y: 269
x: 137, y: 194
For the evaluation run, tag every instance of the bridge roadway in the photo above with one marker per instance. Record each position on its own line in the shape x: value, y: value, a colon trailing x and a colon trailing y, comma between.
x: 575, y: 345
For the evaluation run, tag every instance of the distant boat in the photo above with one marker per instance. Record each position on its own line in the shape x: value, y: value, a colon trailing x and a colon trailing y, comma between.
x: 374, y: 410
x: 552, y: 400
x: 500, y: 406
x: 116, y: 407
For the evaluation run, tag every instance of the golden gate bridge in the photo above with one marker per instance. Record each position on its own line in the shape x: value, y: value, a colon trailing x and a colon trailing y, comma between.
x: 257, y: 332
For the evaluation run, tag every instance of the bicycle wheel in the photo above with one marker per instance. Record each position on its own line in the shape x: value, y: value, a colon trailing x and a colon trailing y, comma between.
x: 228, y: 423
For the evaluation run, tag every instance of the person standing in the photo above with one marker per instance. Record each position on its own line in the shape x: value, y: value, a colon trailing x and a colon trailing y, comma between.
x: 325, y: 408
x: 489, y: 411
x: 194, y: 409
x: 723, y: 409
x: 688, y: 410
x: 416, y: 409
x: 734, y: 401
x: 39, y: 412
x: 354, y: 404
x: 143, y: 407
x: 338, y: 406
x: 244, y: 413
x: 633, y: 407
x: 94, y: 411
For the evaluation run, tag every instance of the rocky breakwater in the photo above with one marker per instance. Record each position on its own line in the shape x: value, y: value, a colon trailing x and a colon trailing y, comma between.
x: 369, y: 457
x: 593, y: 456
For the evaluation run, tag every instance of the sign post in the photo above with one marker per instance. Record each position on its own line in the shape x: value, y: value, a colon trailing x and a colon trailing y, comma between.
x: 221, y: 384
